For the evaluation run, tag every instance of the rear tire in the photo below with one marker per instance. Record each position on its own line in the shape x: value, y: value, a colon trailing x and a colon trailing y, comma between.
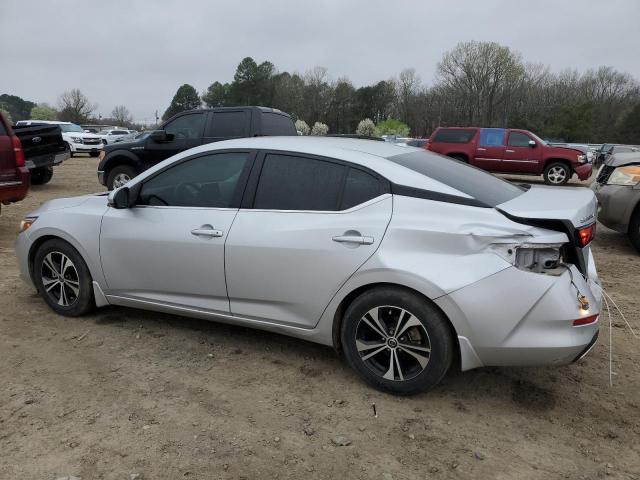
x: 634, y: 229
x: 41, y: 175
x: 63, y: 279
x: 397, y: 341
x: 556, y: 173
x: 120, y: 175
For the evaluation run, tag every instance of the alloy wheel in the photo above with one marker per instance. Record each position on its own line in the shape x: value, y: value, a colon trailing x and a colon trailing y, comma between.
x: 557, y: 174
x: 393, y: 343
x: 60, y: 279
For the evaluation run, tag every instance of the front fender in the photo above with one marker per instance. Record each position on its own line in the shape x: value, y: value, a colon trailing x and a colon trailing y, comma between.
x: 79, y: 226
x: 119, y: 157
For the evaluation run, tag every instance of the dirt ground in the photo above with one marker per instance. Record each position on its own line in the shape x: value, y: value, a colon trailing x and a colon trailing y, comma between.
x: 125, y: 392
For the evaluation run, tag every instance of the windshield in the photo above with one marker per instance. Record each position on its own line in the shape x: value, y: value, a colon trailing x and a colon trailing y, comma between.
x: 476, y: 183
x: 71, y: 127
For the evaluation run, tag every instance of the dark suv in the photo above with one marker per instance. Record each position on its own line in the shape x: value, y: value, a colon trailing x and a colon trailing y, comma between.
x: 123, y: 161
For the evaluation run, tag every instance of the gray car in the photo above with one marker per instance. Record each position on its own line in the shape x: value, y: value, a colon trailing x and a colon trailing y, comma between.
x: 617, y: 187
x: 401, y: 259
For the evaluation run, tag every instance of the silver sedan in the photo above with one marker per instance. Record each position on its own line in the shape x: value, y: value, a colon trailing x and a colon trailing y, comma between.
x: 401, y: 259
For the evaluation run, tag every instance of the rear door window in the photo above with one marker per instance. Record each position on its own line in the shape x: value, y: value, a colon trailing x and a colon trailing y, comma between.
x: 229, y: 124
x: 289, y: 182
x: 454, y: 135
x: 359, y: 187
x: 492, y: 137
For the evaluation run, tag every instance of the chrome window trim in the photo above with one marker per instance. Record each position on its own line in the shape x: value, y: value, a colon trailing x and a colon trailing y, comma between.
x: 379, y: 198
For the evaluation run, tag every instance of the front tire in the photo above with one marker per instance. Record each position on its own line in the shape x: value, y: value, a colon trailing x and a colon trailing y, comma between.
x: 63, y: 279
x: 556, y: 173
x: 397, y: 341
x: 120, y: 175
x: 41, y: 175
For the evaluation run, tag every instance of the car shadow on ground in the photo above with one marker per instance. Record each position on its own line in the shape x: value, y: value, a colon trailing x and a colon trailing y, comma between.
x: 464, y: 389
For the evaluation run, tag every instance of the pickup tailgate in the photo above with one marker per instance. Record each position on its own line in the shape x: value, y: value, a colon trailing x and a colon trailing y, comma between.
x: 41, y: 143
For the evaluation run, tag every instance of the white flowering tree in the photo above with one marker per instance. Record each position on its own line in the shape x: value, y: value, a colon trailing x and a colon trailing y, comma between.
x: 320, y: 129
x: 366, y: 127
x: 302, y: 127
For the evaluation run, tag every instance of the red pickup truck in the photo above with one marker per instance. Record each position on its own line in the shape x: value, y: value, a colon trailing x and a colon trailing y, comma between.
x: 506, y: 150
x: 14, y: 176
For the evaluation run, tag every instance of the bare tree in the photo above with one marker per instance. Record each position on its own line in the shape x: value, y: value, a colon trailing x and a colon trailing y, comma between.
x: 121, y: 115
x: 75, y: 106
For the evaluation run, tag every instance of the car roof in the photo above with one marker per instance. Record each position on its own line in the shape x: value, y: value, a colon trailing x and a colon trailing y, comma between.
x: 370, y: 154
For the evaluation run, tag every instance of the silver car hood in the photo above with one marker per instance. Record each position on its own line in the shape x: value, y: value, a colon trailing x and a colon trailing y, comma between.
x: 577, y: 205
x: 60, y: 203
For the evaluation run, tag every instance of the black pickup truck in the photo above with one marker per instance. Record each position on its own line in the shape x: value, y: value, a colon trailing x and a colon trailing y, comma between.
x: 43, y: 148
x: 121, y: 162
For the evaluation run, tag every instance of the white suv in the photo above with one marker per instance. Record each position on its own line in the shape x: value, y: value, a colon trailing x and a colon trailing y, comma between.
x: 111, y: 136
x: 77, y: 139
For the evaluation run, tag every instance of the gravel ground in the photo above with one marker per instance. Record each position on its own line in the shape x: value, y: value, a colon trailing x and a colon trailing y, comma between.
x: 125, y: 392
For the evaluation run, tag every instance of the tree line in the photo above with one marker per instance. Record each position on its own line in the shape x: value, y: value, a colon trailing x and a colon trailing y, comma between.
x: 476, y: 83
x: 73, y: 106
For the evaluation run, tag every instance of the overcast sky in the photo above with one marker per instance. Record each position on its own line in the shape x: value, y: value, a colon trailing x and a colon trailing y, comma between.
x: 137, y: 53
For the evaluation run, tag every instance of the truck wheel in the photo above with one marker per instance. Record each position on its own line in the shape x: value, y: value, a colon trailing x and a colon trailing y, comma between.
x: 119, y: 176
x: 460, y: 158
x: 556, y: 173
x: 42, y: 175
x: 634, y: 229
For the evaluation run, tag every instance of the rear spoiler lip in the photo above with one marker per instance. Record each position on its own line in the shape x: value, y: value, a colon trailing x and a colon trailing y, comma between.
x: 564, y: 226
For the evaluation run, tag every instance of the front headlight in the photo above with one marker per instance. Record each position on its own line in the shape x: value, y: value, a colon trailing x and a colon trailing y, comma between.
x: 76, y: 139
x: 26, y: 223
x: 629, y: 175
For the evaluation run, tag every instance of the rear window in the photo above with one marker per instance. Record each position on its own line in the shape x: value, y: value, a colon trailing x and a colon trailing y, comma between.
x: 275, y: 124
x: 454, y: 135
x: 476, y: 183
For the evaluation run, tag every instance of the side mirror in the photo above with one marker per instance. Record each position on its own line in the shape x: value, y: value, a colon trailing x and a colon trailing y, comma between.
x: 161, y: 136
x: 119, y: 198
x: 532, y: 144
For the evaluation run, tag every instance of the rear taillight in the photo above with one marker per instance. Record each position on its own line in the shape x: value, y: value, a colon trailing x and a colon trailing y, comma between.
x: 585, y: 235
x: 17, y: 149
